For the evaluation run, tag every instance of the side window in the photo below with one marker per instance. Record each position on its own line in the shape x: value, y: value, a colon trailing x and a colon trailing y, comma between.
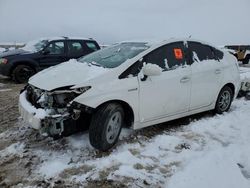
x: 133, y: 70
x: 167, y: 57
x: 56, y: 47
x: 200, y: 52
x: 218, y: 54
x: 74, y: 47
x: 91, y: 45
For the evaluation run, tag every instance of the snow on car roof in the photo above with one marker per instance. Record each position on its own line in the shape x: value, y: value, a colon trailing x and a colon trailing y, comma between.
x: 60, y: 38
x: 159, y: 42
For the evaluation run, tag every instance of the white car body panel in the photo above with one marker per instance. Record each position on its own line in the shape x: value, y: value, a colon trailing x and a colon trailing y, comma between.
x: 66, y: 74
x: 205, y: 74
x: 151, y: 103
x: 158, y: 93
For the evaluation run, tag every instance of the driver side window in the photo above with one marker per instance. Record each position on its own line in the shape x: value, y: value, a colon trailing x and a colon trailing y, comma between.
x: 56, y: 48
x: 167, y: 57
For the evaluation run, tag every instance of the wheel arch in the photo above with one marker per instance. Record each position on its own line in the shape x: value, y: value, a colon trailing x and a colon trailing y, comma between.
x: 128, y: 111
x: 30, y: 63
x: 231, y: 86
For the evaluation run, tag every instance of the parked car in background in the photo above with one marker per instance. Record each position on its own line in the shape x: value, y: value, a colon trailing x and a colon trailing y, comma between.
x: 39, y: 54
x: 132, y: 84
x: 241, y: 52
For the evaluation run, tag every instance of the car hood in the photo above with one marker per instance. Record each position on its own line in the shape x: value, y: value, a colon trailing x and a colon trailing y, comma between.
x: 70, y: 73
x: 13, y: 52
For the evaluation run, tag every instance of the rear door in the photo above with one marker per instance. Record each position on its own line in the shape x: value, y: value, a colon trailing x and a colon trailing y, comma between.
x: 207, y: 75
x: 76, y: 49
x: 53, y: 54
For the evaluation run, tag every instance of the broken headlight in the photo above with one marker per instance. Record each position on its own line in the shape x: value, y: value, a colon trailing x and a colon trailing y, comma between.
x: 62, y: 98
x: 82, y: 89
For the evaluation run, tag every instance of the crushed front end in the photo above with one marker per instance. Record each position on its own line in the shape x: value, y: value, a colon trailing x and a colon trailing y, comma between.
x: 53, y: 112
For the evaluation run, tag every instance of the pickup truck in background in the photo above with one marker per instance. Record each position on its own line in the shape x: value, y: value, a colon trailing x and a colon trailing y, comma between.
x: 241, y: 52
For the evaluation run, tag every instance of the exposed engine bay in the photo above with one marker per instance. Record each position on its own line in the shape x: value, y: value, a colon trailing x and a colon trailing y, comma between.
x: 63, y: 116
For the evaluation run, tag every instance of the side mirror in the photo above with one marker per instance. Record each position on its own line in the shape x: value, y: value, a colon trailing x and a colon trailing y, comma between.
x: 151, y: 69
x: 45, y: 51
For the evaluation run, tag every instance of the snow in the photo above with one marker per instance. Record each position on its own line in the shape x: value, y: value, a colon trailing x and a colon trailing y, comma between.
x: 72, y: 72
x: 244, y: 74
x: 13, y: 149
x: 3, y: 90
x: 39, y: 113
x: 211, y: 151
x: 54, y: 166
x: 215, y: 169
x: 204, y: 153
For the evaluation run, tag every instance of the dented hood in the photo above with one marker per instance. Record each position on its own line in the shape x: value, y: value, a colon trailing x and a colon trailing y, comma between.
x: 70, y: 73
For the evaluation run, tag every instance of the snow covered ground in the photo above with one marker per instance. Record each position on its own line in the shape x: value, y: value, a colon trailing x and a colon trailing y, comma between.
x: 201, y: 151
x: 212, y: 151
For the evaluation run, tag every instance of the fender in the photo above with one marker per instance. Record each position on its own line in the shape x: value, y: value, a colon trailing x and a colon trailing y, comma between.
x: 24, y: 61
x: 99, y: 95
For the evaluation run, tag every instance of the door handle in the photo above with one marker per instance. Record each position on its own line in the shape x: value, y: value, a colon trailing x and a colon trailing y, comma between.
x: 217, y: 71
x: 184, y: 79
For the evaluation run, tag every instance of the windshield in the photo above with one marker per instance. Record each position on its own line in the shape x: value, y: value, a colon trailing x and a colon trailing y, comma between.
x: 35, y: 45
x: 115, y: 55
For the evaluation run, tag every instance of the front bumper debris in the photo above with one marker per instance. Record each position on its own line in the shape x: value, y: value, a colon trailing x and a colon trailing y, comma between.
x: 44, y: 120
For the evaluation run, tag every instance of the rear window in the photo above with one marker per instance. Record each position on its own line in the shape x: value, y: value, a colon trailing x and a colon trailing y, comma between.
x: 74, y: 47
x: 218, y: 54
x: 91, y: 45
x: 203, y: 52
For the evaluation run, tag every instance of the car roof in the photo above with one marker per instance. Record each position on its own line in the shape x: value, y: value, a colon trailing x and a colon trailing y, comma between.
x: 157, y: 42
x: 65, y: 38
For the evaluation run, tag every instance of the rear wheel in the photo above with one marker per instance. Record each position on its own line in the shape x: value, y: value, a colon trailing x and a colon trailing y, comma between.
x: 105, y: 126
x: 22, y: 73
x: 224, y: 100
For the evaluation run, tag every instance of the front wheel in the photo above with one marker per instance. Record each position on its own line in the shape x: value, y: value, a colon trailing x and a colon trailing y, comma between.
x: 105, y: 126
x: 224, y: 100
x: 22, y: 73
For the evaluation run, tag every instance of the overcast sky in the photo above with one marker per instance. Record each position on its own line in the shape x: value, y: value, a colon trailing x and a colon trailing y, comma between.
x: 108, y: 21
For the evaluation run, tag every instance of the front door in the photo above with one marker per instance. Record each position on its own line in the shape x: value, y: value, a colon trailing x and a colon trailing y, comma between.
x: 168, y: 93
x: 53, y: 54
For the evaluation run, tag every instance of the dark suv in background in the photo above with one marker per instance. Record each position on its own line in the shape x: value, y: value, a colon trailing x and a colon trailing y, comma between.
x: 20, y: 64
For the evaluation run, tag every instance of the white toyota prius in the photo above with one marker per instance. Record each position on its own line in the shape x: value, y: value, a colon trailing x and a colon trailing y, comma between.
x: 132, y: 84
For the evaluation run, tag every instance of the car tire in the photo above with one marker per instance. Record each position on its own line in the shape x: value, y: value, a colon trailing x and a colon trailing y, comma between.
x: 224, y: 100
x: 105, y: 126
x: 22, y: 73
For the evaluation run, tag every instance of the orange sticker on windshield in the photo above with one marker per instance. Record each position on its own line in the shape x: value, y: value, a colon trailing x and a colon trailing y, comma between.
x: 178, y: 53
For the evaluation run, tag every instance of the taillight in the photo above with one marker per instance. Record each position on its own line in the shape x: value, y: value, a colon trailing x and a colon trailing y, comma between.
x: 3, y: 61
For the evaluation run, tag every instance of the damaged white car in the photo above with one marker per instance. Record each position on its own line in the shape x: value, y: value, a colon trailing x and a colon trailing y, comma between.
x: 132, y: 84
